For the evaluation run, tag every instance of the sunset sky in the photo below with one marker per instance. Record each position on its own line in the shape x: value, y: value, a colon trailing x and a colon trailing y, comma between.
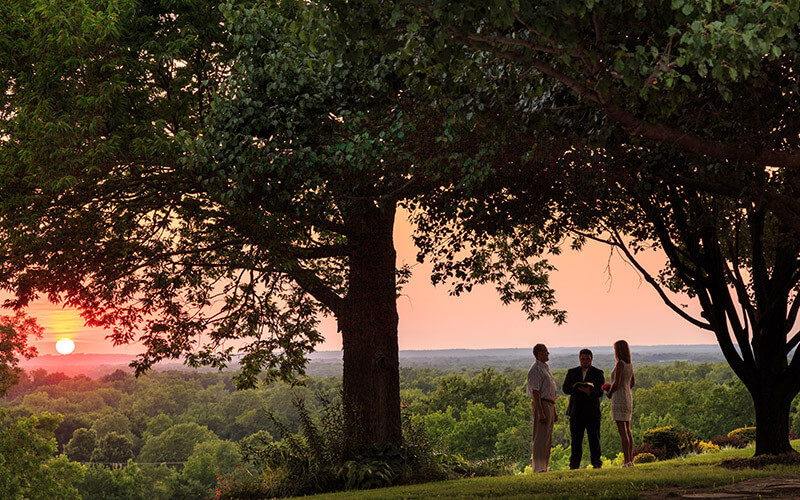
x: 600, y: 311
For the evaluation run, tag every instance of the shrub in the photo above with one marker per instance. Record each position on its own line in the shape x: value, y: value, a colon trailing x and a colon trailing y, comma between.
x: 241, y: 484
x: 418, y: 452
x: 729, y: 441
x: 366, y: 473
x: 660, y: 453
x: 706, y: 447
x: 321, y: 458
x: 674, y: 441
x: 299, y: 464
x: 746, y: 434
x: 644, y: 458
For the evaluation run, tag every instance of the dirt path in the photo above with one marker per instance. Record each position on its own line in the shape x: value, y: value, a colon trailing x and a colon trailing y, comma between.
x: 782, y: 487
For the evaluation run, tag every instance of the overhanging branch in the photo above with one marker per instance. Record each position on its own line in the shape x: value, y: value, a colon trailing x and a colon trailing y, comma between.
x: 652, y: 281
x: 630, y: 123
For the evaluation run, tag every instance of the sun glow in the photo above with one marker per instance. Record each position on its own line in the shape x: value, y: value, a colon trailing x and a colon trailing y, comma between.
x: 65, y: 346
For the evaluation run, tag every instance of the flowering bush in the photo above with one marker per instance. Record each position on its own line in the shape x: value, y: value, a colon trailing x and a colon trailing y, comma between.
x: 706, y: 447
x: 644, y: 458
x: 674, y: 441
x: 746, y: 434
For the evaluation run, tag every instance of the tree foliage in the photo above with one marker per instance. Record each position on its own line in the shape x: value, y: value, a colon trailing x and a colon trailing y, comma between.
x: 113, y: 448
x: 679, y: 132
x: 175, y: 444
x: 667, y: 72
x: 28, y: 467
x: 81, y: 445
x: 15, y: 333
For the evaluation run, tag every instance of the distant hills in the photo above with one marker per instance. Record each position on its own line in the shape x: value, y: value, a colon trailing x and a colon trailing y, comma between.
x: 92, y: 365
x: 327, y: 363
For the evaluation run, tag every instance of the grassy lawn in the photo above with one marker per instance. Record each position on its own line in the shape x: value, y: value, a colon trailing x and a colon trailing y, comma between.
x: 616, y: 483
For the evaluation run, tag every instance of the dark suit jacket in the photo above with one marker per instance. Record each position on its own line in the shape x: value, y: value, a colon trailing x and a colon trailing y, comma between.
x: 581, y: 405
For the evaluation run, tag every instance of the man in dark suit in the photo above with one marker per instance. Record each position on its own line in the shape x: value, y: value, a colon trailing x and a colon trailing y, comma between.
x: 584, y: 386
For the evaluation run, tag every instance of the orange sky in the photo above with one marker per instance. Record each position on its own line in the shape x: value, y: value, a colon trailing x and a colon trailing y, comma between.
x: 599, y: 311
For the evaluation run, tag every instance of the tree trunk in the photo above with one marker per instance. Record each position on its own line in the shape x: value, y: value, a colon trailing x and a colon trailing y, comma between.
x: 772, y: 420
x: 368, y: 322
x: 773, y: 394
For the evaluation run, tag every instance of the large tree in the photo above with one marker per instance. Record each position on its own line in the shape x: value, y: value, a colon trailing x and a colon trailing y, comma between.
x: 684, y: 117
x: 210, y: 181
x: 190, y: 175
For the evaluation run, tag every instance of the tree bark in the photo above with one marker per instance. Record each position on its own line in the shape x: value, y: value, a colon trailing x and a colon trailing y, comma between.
x: 772, y: 391
x: 368, y: 322
x: 772, y: 419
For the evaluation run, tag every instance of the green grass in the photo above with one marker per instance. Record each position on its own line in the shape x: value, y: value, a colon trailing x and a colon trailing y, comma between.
x: 617, y: 483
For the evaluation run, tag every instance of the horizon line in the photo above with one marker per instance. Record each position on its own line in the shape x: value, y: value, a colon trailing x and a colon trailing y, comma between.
x: 417, y: 350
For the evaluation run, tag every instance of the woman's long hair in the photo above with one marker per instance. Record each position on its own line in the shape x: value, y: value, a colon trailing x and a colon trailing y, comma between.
x: 622, y: 351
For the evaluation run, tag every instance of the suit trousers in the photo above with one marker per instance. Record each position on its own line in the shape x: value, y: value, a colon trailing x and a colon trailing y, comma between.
x: 542, y: 436
x: 577, y: 424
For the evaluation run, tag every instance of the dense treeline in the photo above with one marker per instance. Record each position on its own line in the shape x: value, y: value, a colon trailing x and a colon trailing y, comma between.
x: 185, y: 431
x: 484, y: 414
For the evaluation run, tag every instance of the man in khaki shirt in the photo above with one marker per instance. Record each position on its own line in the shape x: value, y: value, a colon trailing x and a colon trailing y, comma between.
x: 541, y: 388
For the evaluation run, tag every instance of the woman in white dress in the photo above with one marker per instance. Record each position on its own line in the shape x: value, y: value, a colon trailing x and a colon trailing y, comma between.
x: 621, y: 399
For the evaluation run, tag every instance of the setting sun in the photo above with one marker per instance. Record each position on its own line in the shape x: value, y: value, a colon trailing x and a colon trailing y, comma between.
x: 65, y: 346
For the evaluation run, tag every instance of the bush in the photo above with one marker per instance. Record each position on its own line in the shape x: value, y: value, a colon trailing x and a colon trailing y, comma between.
x: 418, y: 452
x: 746, y: 434
x: 321, y: 458
x: 672, y: 440
x: 241, y: 484
x: 660, y: 453
x: 644, y: 458
x: 728, y: 441
x: 299, y: 464
x: 706, y: 447
x: 366, y: 473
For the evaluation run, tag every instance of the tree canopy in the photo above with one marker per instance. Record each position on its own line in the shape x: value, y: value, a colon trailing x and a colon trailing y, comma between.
x: 679, y: 131
x: 15, y: 333
x: 211, y: 180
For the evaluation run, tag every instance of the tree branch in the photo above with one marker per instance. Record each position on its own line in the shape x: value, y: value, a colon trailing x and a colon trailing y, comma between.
x: 720, y: 292
x: 735, y: 276
x: 314, y: 286
x: 652, y: 281
x: 319, y: 252
x: 634, y: 126
x: 514, y: 42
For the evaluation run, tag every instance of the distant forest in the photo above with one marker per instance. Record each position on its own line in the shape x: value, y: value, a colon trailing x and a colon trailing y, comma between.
x: 185, y: 431
x: 329, y: 363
